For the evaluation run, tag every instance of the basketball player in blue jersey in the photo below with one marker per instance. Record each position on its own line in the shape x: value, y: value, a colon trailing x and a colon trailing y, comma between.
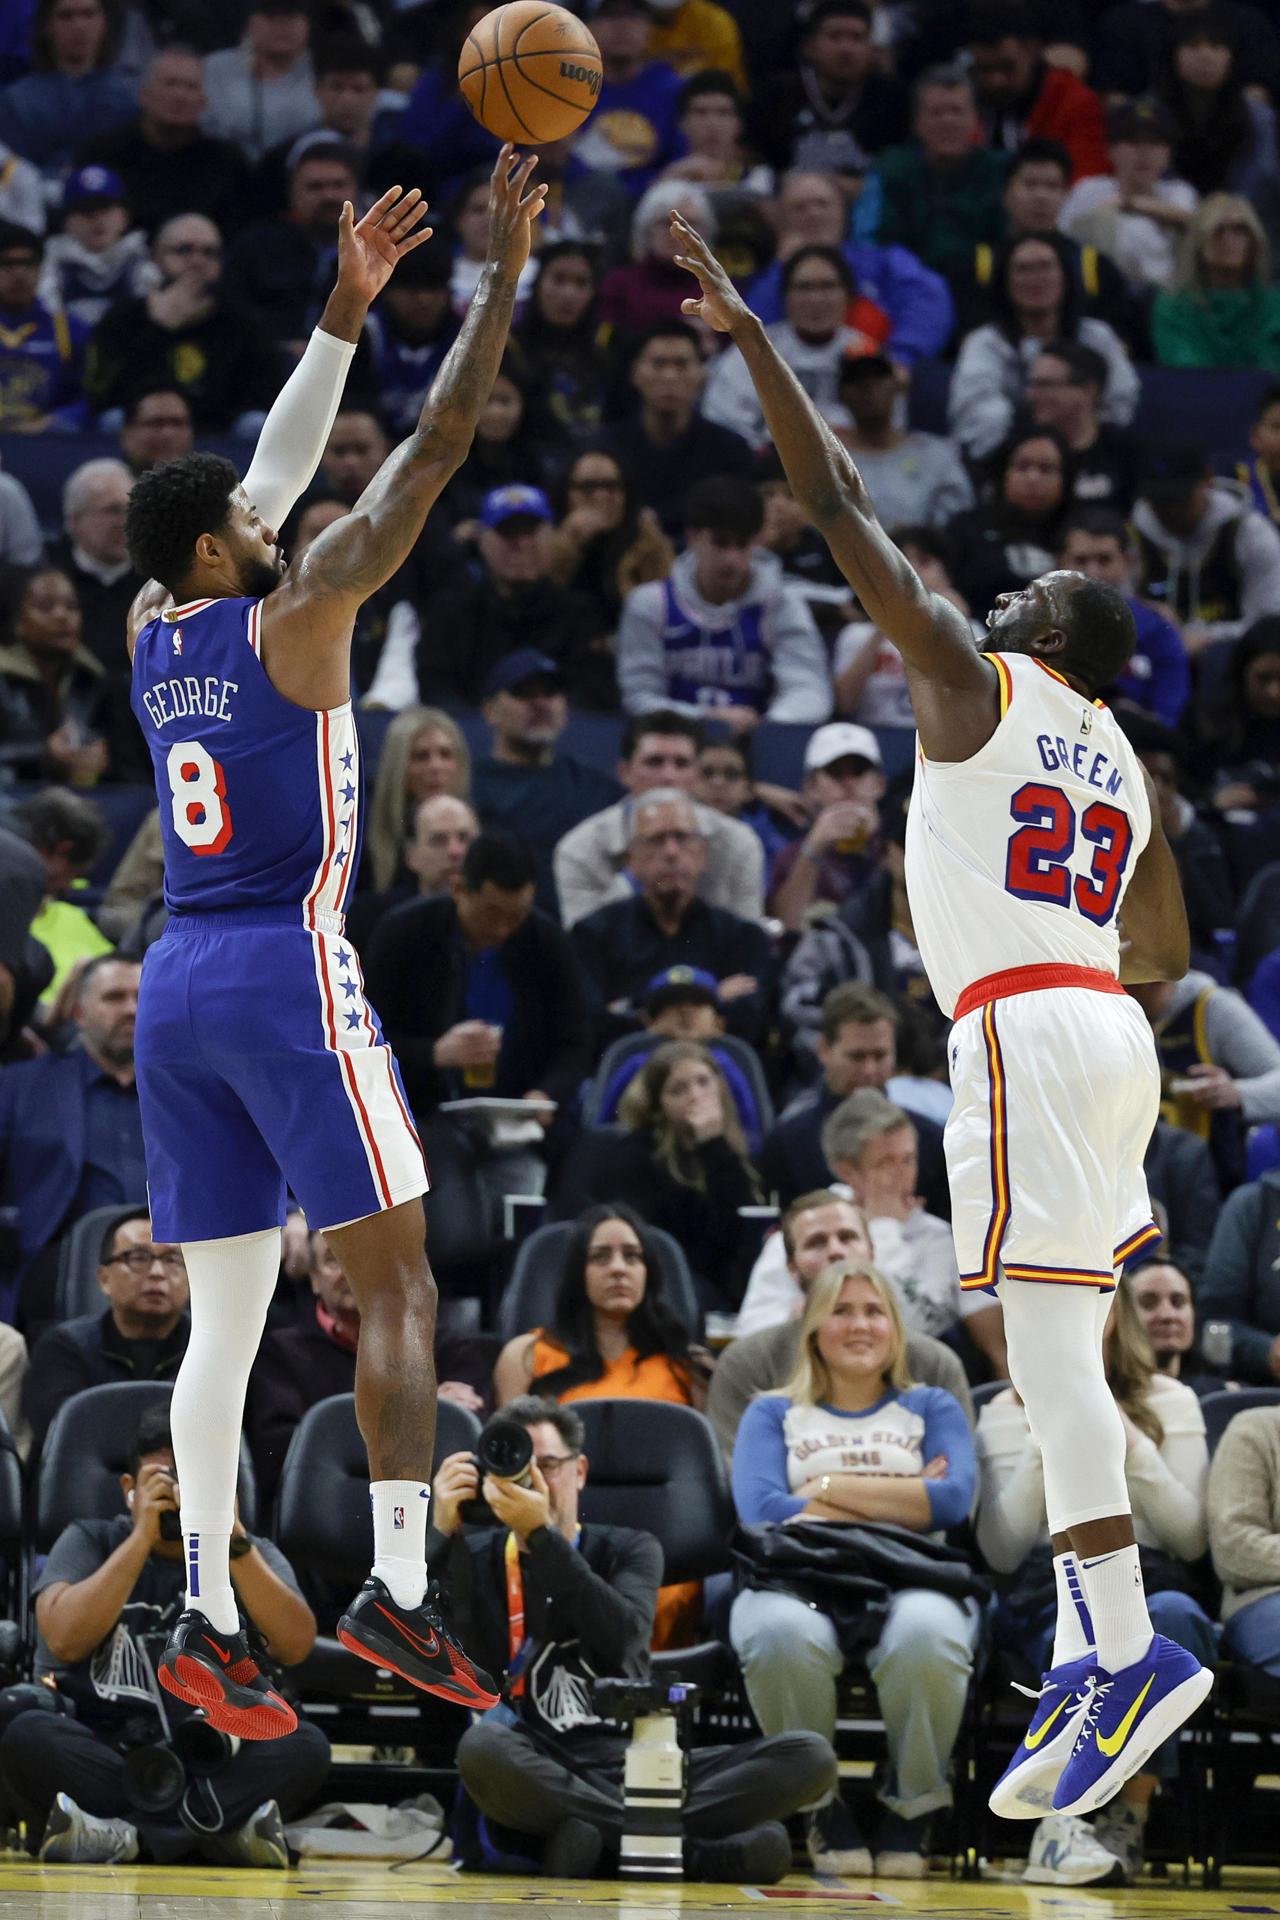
x: 260, y: 1062
x: 1039, y: 880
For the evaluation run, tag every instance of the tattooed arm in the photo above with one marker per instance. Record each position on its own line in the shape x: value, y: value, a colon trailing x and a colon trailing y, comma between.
x: 953, y: 689
x: 307, y: 621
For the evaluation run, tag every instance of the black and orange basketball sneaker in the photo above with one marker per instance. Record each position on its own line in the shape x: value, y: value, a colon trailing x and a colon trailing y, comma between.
x: 415, y: 1643
x: 218, y: 1673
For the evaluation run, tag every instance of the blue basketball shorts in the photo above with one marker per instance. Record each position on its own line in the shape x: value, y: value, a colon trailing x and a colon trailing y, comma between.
x: 261, y: 1066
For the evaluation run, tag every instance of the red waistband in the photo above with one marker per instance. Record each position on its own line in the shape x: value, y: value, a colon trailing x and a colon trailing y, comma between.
x: 1001, y: 986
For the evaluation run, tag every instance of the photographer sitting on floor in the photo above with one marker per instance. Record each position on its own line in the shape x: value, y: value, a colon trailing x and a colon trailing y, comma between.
x: 78, y: 1768
x: 557, y: 1605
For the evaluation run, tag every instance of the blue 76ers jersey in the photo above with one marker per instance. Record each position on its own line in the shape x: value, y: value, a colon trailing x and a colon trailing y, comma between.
x: 260, y: 800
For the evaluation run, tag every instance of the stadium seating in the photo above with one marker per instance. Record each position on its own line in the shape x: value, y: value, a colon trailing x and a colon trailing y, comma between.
x: 529, y: 1298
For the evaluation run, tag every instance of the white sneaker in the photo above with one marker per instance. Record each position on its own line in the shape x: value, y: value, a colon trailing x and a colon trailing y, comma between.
x: 260, y: 1842
x: 835, y: 1844
x: 1065, y: 1852
x: 1123, y: 1831
x: 75, y: 1838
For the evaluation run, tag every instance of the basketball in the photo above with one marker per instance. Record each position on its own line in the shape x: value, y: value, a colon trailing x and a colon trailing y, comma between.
x: 530, y: 72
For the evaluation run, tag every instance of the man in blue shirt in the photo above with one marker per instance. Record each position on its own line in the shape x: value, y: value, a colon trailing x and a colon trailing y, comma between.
x: 633, y: 130
x: 523, y: 784
x: 41, y: 352
x: 1096, y: 541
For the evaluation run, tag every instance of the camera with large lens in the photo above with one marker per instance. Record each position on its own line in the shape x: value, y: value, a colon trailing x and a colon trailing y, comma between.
x: 654, y: 1773
x: 156, y: 1773
x: 504, y: 1451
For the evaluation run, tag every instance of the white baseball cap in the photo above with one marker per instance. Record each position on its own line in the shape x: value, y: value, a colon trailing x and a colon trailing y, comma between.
x: 839, y: 741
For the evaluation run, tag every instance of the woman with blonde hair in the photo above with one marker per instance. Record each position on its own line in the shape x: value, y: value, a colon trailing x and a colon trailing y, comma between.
x: 424, y: 753
x: 1166, y: 1471
x: 1223, y: 310
x: 849, y: 1438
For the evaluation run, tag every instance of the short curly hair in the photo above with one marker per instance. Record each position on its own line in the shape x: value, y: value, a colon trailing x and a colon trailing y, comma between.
x: 170, y: 507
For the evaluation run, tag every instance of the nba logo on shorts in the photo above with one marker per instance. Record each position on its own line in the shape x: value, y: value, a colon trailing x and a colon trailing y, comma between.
x: 397, y: 1519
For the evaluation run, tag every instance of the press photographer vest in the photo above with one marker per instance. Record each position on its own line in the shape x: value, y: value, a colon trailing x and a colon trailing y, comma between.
x: 721, y: 668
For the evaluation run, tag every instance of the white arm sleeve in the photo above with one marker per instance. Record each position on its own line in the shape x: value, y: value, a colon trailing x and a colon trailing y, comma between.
x: 295, y: 431
x: 395, y: 681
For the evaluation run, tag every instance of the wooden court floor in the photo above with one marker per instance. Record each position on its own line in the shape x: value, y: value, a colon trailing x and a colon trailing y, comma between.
x: 365, y: 1892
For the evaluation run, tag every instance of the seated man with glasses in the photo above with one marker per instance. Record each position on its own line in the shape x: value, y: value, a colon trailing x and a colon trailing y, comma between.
x: 558, y: 1604
x: 663, y: 923
x: 141, y: 1334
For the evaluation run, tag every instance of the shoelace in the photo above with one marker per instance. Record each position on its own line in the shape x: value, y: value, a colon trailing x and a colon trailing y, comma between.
x: 1096, y: 1692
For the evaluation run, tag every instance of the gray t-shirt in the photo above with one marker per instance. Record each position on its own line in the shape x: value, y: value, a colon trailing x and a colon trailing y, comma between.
x: 117, y: 1682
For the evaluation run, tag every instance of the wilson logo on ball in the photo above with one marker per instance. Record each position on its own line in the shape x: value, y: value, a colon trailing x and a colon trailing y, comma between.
x: 587, y: 75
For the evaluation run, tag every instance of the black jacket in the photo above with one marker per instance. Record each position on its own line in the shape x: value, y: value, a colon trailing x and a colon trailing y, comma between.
x: 1182, y: 1177
x: 468, y: 628
x: 588, y: 1613
x: 416, y: 973
x: 792, y: 1161
x: 91, y: 1352
x: 621, y: 947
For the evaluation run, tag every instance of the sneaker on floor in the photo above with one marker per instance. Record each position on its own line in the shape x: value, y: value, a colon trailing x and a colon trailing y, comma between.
x: 1128, y: 1716
x: 75, y: 1838
x: 1066, y: 1852
x: 902, y: 1847
x: 218, y: 1673
x: 1024, y: 1790
x: 760, y: 1857
x: 1122, y: 1830
x: 573, y: 1851
x: 835, y: 1844
x: 260, y: 1842
x: 415, y: 1643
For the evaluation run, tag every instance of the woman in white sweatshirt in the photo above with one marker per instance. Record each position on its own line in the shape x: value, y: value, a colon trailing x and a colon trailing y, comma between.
x: 1166, y: 1470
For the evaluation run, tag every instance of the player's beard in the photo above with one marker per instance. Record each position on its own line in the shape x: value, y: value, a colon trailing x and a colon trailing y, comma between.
x: 259, y: 578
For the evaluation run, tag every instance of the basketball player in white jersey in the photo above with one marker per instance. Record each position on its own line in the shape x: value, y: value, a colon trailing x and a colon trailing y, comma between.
x: 1039, y: 879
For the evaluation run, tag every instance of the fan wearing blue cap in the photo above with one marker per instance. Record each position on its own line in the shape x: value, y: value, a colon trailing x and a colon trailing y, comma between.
x: 512, y: 604
x: 683, y: 1003
x: 97, y: 257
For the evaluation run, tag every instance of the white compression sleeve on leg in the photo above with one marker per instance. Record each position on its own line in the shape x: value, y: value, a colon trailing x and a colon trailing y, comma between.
x: 1055, y: 1362
x: 232, y: 1282
x: 296, y: 429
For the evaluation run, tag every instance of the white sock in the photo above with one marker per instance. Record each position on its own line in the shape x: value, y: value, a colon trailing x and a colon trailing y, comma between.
x: 215, y: 1599
x: 1113, y: 1588
x: 1074, y: 1637
x: 400, y: 1538
x: 231, y: 1282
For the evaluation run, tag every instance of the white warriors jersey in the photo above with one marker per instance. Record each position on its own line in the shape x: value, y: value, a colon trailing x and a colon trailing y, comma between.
x: 1020, y: 855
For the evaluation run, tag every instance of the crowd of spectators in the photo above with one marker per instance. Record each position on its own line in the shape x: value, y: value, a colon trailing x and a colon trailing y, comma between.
x: 632, y: 903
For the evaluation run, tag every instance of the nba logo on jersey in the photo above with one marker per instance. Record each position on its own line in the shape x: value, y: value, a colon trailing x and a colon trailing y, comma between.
x: 397, y: 1519
x: 177, y: 641
x: 1086, y: 721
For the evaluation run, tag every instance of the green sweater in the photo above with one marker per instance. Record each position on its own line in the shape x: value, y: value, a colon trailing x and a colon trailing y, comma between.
x: 941, y: 215
x: 1223, y: 327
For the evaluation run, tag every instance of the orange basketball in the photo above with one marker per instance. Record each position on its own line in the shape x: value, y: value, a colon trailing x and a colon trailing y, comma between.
x: 530, y: 72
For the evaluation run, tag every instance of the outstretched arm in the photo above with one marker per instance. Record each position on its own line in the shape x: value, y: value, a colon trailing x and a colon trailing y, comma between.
x: 296, y: 430
x: 932, y: 636
x: 307, y: 622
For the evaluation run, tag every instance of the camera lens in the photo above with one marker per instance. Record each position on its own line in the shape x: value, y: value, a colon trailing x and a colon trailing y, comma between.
x: 153, y: 1779
x: 505, y: 1450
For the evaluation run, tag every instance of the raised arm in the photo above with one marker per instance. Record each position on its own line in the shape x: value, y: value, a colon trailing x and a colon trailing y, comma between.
x: 306, y: 623
x: 296, y: 430
x: 932, y: 636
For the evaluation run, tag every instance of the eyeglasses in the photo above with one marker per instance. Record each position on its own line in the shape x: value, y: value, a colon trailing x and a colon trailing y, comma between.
x: 552, y: 1462
x: 676, y: 837
x: 142, y: 1259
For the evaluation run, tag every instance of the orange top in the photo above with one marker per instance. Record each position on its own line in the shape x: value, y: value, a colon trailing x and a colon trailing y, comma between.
x: 626, y: 1378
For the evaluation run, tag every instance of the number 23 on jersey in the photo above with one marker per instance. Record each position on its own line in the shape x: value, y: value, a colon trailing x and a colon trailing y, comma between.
x: 201, y: 816
x: 1038, y: 863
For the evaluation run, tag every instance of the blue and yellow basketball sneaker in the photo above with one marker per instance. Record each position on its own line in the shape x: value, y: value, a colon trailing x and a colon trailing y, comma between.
x: 1128, y: 1715
x: 1024, y: 1790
